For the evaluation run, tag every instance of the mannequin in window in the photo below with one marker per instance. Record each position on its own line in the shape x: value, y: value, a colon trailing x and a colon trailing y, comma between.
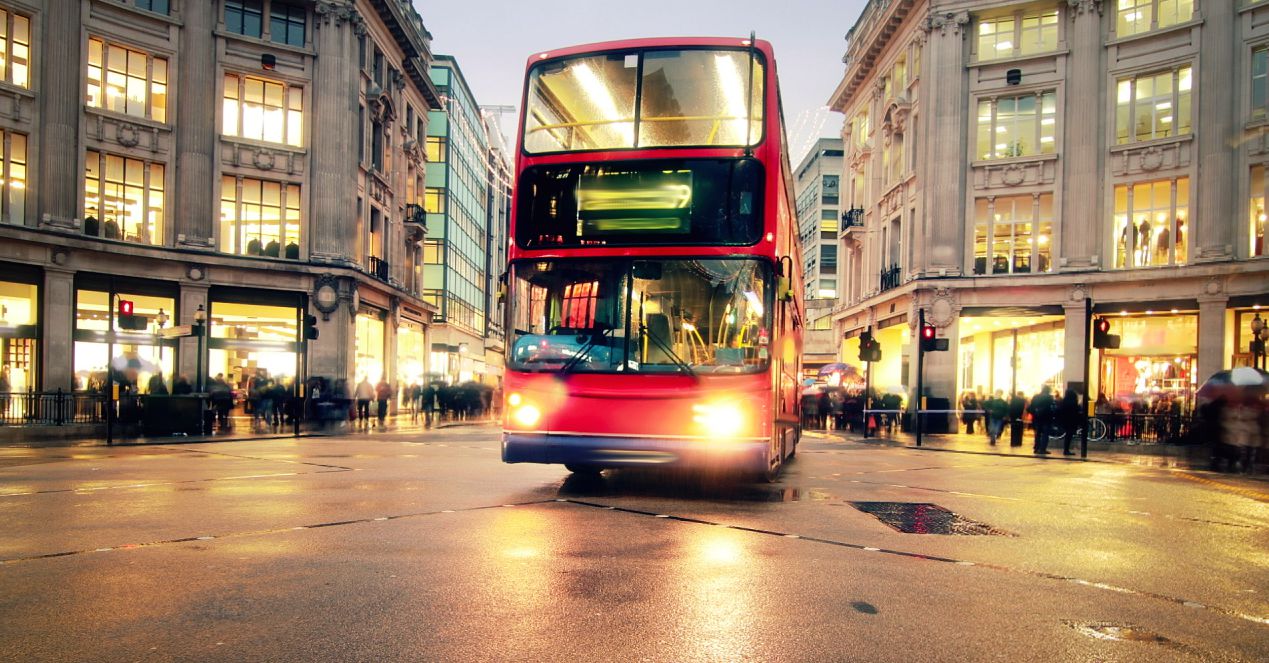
x: 292, y: 251
x: 1143, y: 247
x: 92, y: 226
x: 253, y: 247
x: 1161, y: 247
x: 112, y: 229
x: 272, y: 248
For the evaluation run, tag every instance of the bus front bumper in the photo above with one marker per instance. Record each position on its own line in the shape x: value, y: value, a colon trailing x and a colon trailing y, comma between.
x: 605, y: 451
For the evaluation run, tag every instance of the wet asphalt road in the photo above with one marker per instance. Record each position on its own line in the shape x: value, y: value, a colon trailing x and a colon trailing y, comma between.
x: 424, y: 546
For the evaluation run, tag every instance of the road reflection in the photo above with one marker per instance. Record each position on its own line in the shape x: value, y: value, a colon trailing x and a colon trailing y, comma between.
x: 717, y: 578
x: 684, y: 485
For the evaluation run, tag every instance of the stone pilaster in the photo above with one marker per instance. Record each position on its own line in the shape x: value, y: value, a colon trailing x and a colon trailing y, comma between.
x: 196, y: 103
x: 1211, y: 334
x: 57, y: 345
x: 1218, y: 130
x: 1074, y: 330
x: 944, y: 107
x: 332, y: 194
x: 193, y: 295
x: 59, y: 99
x: 1083, y: 168
x: 333, y: 354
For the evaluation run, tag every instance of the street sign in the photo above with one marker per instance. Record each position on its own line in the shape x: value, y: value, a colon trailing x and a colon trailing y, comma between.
x: 177, y: 331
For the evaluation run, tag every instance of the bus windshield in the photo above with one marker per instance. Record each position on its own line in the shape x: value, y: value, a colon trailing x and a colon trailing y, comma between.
x: 641, y: 315
x: 638, y: 99
x: 641, y: 203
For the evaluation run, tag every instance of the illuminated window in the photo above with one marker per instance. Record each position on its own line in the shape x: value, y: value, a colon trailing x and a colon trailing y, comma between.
x: 859, y: 128
x: 434, y: 200
x: 13, y: 178
x: 259, y: 218
x: 579, y: 305
x: 1017, y: 35
x: 1013, y: 234
x: 1256, y: 212
x: 264, y: 110
x: 1151, y: 223
x: 1260, y: 82
x: 1017, y: 126
x: 1155, y: 105
x: 123, y: 198
x: 15, y: 49
x: 124, y: 80
x: 1138, y: 16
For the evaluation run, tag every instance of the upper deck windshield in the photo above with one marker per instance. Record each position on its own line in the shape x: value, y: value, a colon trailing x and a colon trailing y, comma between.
x: 640, y: 316
x: 641, y: 99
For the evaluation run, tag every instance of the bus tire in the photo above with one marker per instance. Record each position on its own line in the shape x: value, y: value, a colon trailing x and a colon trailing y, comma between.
x: 583, y: 470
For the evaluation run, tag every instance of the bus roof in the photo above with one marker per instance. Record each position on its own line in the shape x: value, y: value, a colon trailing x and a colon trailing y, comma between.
x: 649, y: 42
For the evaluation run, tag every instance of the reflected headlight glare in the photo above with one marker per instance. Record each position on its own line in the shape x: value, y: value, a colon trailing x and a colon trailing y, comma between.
x: 514, y: 399
x: 527, y: 415
x: 719, y: 419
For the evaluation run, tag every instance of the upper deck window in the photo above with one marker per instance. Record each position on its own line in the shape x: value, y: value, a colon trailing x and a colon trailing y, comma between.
x: 668, y: 98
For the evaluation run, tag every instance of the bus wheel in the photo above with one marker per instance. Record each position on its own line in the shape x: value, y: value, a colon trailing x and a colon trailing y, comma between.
x: 583, y: 470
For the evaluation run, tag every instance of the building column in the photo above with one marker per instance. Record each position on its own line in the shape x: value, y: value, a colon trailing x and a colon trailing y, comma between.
x: 195, y: 213
x: 1075, y: 327
x: 944, y: 108
x: 1211, y: 334
x: 59, y: 101
x: 192, y: 296
x: 334, y: 354
x: 336, y: 89
x: 57, y: 347
x: 1218, y: 129
x: 1082, y: 148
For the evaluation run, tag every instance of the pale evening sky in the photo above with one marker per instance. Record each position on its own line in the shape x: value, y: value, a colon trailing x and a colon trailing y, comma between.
x: 492, y: 39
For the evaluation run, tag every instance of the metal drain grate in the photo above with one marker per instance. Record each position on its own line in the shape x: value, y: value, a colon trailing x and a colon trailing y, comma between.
x: 923, y: 518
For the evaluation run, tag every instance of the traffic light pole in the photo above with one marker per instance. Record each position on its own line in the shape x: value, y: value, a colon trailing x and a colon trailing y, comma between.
x: 867, y: 388
x: 920, y: 386
x: 1088, y: 332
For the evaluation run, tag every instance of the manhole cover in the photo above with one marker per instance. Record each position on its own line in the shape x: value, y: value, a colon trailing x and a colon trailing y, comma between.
x: 922, y: 518
x: 1125, y: 633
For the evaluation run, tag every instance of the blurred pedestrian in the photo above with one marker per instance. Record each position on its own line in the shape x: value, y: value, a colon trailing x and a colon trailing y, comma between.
x: 181, y: 386
x: 969, y: 411
x: 1070, y: 418
x: 997, y: 410
x: 1041, y: 410
x: 429, y: 398
x: 364, y: 393
x: 1017, y: 410
x: 383, y: 392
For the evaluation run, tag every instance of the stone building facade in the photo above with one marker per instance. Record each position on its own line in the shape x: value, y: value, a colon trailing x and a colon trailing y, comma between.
x: 250, y: 161
x: 1009, y: 160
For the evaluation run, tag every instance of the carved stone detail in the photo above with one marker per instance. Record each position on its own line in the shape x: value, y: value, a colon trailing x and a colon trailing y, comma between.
x: 1013, y: 175
x: 956, y: 21
x: 1076, y: 7
x: 263, y: 159
x: 943, y: 309
x: 1151, y: 159
x: 127, y: 134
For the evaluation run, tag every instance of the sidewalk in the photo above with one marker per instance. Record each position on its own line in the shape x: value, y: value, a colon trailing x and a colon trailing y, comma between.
x: 1174, y: 456
x: 243, y: 430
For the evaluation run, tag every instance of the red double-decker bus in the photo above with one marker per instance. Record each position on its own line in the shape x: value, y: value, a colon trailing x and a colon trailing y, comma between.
x: 653, y: 290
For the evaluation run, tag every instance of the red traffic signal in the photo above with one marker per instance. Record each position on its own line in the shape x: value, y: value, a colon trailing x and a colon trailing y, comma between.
x: 125, y: 307
x: 927, y: 333
x: 1102, y: 325
x: 930, y: 341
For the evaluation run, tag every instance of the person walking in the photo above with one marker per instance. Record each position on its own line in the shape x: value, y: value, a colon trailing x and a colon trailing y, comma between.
x: 412, y: 398
x: 997, y: 410
x: 1069, y: 418
x: 383, y: 392
x: 429, y: 397
x: 1041, y: 410
x: 363, y: 393
x: 1017, y: 408
x: 969, y: 411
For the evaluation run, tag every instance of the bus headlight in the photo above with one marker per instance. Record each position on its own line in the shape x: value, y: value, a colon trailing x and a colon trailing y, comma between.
x: 526, y: 415
x: 514, y: 399
x: 719, y: 419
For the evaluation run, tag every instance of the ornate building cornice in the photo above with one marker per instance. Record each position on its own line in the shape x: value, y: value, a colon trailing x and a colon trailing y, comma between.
x: 943, y: 21
x: 1077, y: 7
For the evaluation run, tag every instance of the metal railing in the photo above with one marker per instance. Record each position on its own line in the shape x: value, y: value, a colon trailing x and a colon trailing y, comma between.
x: 379, y: 268
x: 890, y: 278
x: 51, y: 408
x: 853, y: 218
x: 1148, y: 428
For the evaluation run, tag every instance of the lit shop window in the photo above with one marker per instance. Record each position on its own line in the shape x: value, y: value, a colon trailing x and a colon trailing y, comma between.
x: 1151, y: 223
x: 1256, y: 207
x: 1017, y: 126
x: 263, y: 110
x: 1137, y: 16
x: 1013, y: 234
x: 1017, y: 35
x: 259, y: 218
x: 15, y: 49
x: 1155, y: 105
x: 123, y: 198
x: 13, y: 178
x: 127, y: 81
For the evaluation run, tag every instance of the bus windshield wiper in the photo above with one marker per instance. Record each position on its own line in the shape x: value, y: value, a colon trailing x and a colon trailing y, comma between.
x: 660, y: 343
x: 584, y: 351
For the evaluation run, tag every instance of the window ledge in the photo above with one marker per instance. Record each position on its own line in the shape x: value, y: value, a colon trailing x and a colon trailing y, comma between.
x: 124, y: 117
x: 1032, y: 158
x: 1156, y: 142
x: 1257, y: 123
x: 125, y: 5
x: 1198, y: 20
x: 16, y: 89
x: 258, y: 41
x: 976, y: 64
x: 249, y: 142
x: 1250, y: 6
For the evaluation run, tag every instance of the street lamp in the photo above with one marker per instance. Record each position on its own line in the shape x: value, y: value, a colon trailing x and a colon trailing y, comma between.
x: 1259, y: 334
x: 200, y: 325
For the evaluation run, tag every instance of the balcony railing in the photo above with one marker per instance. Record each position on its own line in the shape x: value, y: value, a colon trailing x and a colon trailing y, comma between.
x: 890, y: 278
x: 853, y: 218
x: 379, y: 268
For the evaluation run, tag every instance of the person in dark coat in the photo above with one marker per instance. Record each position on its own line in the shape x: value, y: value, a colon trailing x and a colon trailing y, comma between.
x: 969, y: 411
x: 181, y: 386
x: 430, y: 402
x: 1070, y: 418
x: 1041, y: 410
x: 1017, y: 408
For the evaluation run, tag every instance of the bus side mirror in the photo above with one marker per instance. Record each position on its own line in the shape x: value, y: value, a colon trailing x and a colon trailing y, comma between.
x: 783, y: 290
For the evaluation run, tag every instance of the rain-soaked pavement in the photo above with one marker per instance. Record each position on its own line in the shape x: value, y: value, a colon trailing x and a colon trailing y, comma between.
x: 423, y: 546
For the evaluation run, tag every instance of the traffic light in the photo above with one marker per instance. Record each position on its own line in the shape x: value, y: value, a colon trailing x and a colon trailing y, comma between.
x: 125, y: 307
x: 128, y: 320
x: 1102, y: 338
x: 930, y: 341
x: 310, y: 327
x: 869, y: 348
